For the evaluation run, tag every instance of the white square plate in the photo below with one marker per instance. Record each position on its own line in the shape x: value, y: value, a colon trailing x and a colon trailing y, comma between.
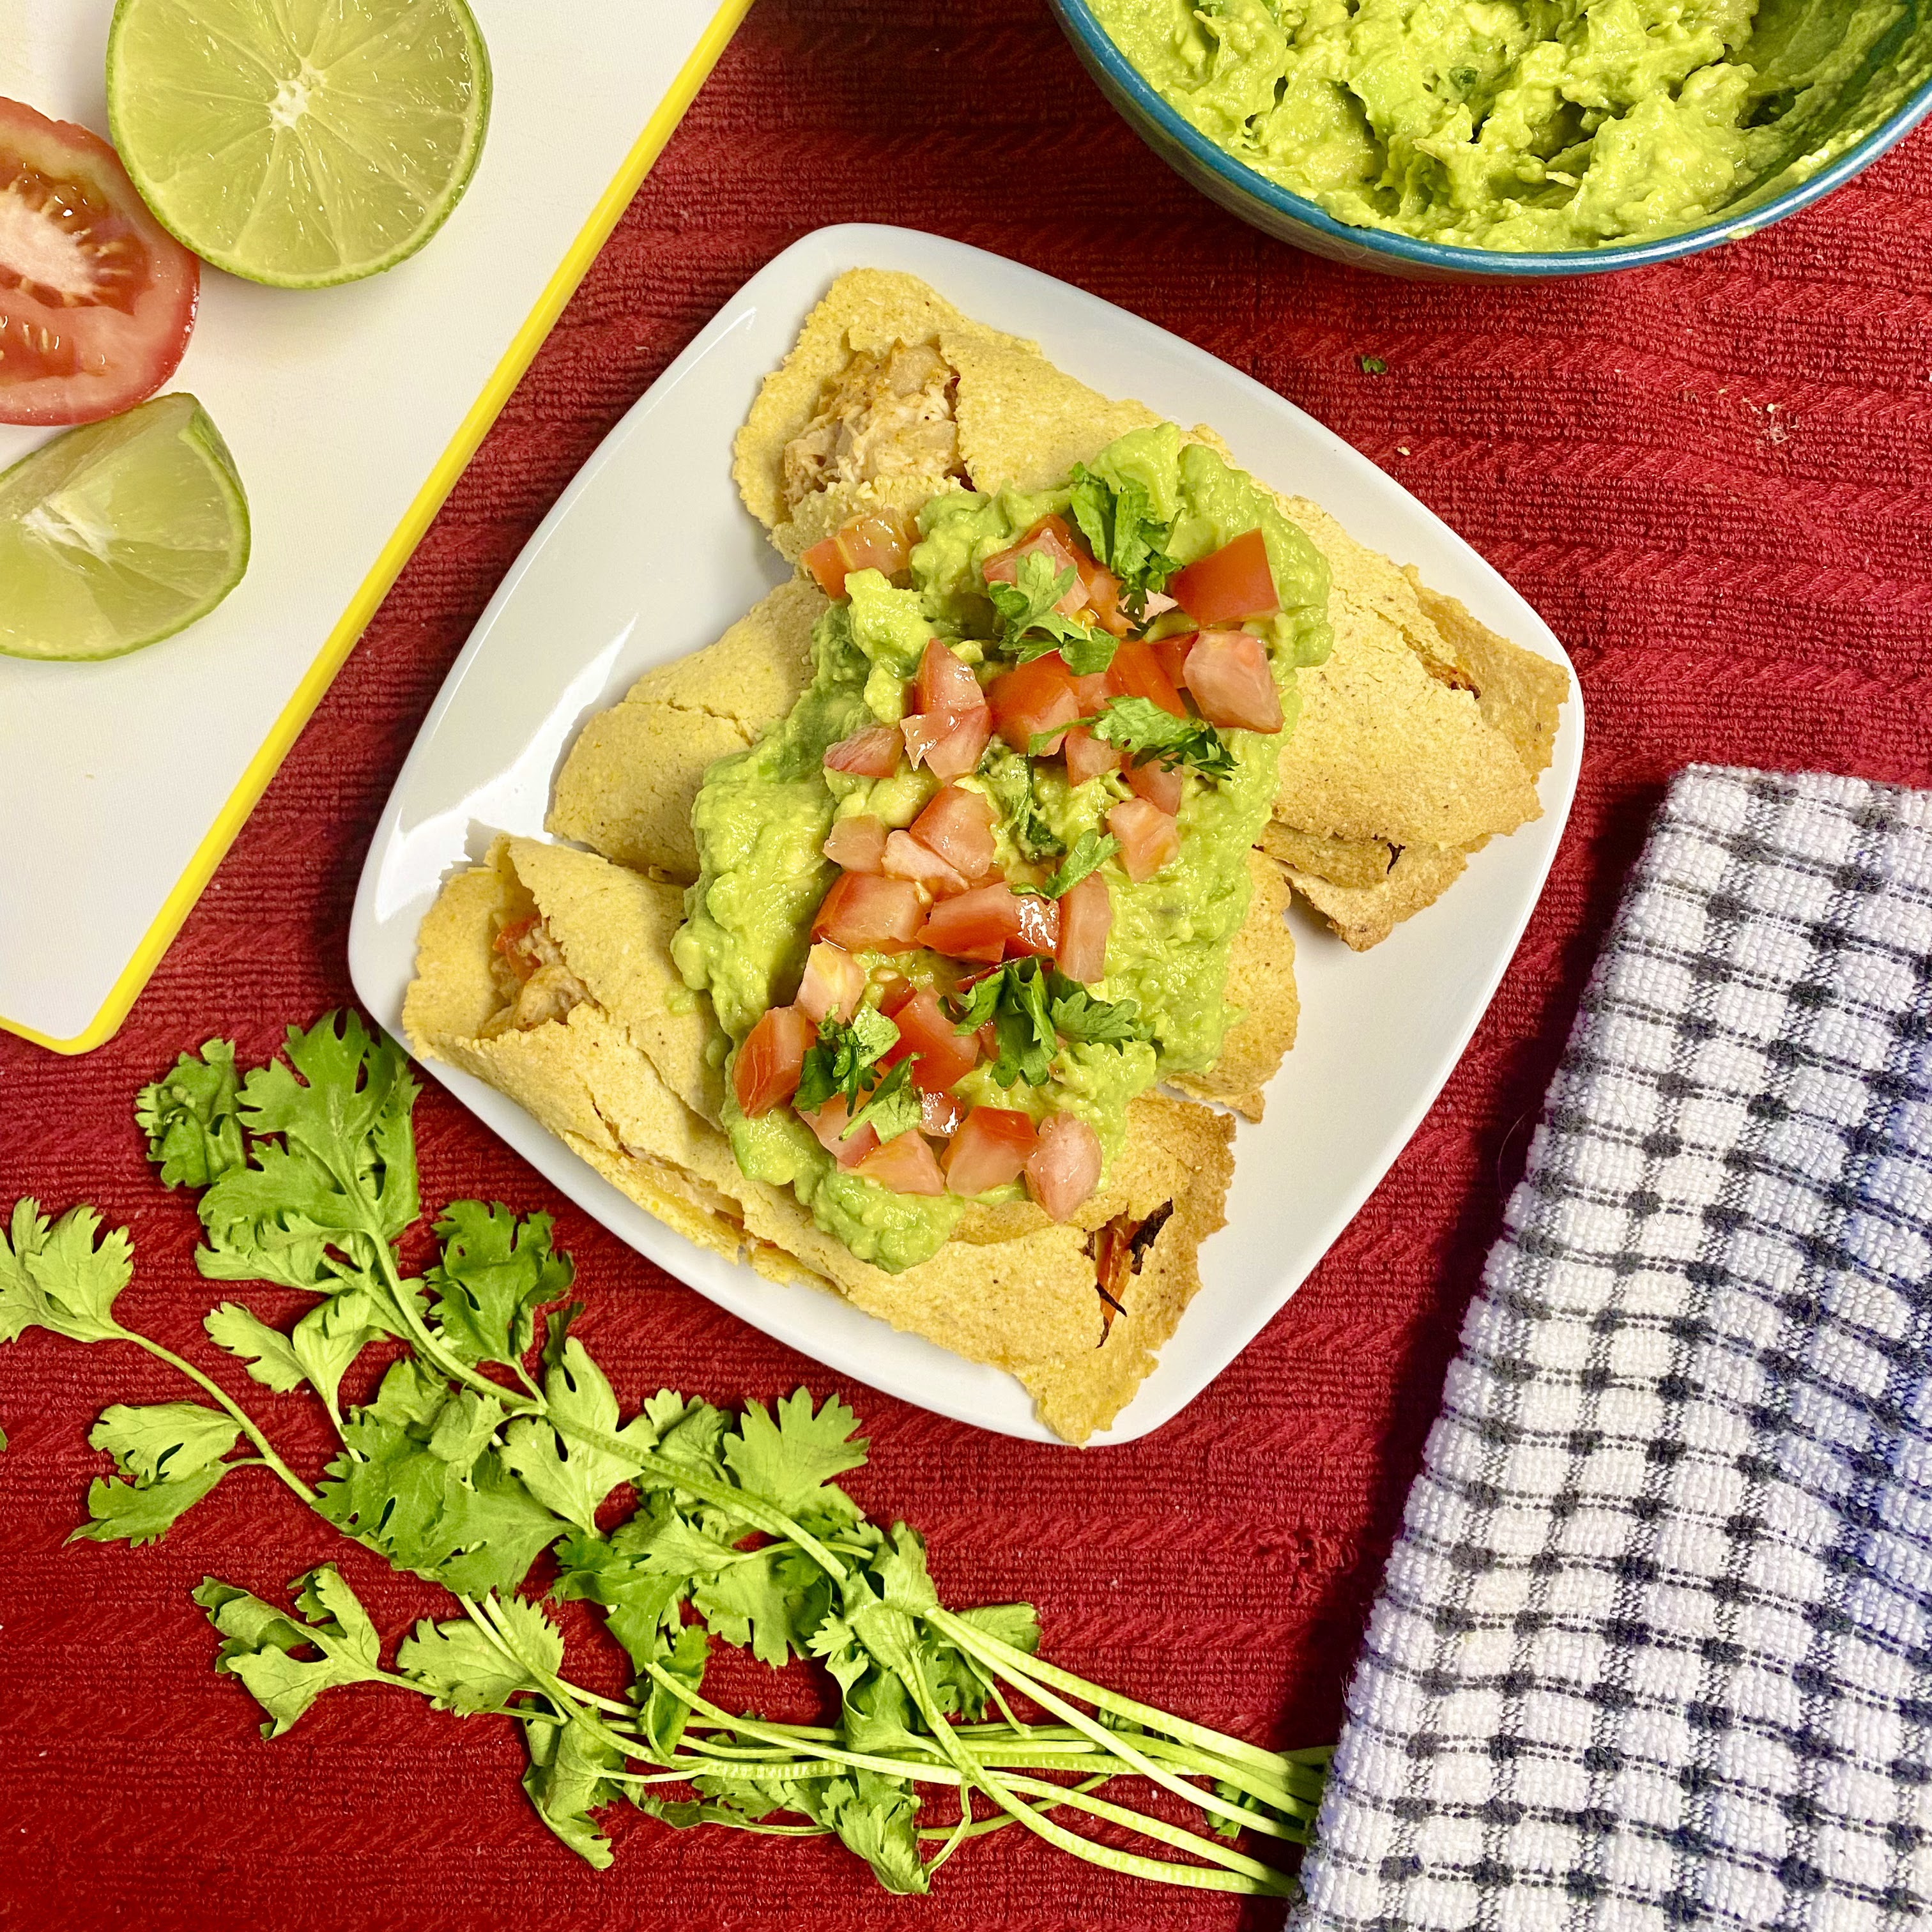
x: 649, y: 554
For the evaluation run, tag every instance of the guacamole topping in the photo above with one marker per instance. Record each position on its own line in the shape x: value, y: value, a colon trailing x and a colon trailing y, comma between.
x: 1528, y: 125
x: 932, y: 1032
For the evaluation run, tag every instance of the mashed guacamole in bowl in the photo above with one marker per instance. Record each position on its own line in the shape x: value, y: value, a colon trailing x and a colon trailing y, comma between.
x: 1524, y: 127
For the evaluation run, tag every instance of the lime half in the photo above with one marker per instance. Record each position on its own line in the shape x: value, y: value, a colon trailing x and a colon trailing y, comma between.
x: 116, y: 534
x: 300, y: 142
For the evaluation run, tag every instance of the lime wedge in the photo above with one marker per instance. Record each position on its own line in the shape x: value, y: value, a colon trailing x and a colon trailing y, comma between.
x: 120, y: 533
x: 300, y: 142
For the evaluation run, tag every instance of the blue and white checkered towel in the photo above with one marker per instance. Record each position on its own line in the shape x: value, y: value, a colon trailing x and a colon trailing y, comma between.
x: 1654, y: 1648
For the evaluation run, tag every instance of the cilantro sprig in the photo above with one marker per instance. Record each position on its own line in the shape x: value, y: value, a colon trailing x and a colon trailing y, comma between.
x: 1124, y: 534
x: 1031, y: 626
x: 1032, y: 1007
x: 493, y: 1436
x: 1147, y: 732
x: 845, y: 1059
x: 1091, y: 851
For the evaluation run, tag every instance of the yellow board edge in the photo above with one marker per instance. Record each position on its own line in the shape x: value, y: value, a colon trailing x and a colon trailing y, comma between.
x: 401, y: 545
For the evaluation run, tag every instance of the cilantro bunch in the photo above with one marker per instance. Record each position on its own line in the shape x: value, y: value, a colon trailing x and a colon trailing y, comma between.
x: 494, y: 1438
x: 1033, y: 1006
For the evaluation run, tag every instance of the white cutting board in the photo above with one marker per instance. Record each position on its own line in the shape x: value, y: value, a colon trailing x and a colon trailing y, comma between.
x: 350, y: 413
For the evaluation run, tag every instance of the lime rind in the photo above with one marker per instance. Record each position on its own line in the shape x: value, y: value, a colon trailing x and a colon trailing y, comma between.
x: 120, y: 533
x: 247, y: 154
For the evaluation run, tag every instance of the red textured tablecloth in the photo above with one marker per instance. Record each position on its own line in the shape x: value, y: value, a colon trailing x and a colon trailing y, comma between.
x: 1712, y: 479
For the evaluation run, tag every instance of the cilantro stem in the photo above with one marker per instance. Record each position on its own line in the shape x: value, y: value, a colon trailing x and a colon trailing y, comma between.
x: 239, y: 1415
x: 1018, y: 1665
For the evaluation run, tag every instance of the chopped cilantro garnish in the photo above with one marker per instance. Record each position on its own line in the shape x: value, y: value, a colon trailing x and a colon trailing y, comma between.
x: 1032, y: 1006
x: 1091, y: 851
x: 844, y: 1060
x: 893, y: 1107
x: 1144, y: 730
x: 1119, y: 524
x: 1032, y: 626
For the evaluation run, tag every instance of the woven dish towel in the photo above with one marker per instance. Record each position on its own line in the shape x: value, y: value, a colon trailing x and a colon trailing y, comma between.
x: 1654, y: 1647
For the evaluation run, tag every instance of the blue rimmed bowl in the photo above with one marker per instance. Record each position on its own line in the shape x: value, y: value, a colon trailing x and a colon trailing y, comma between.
x: 1907, y: 44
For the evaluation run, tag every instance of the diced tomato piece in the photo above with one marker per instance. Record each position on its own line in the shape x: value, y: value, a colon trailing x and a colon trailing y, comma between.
x: 978, y: 925
x: 1103, y: 600
x: 1136, y: 672
x: 958, y: 826
x: 906, y: 858
x: 858, y: 843
x: 834, y: 983
x: 1039, y: 927
x: 988, y: 1040
x: 894, y: 990
x: 1064, y: 1167
x: 873, y: 753
x: 881, y: 540
x: 1033, y: 700
x: 1050, y: 537
x: 940, y: 1113
x: 826, y: 565
x: 1228, y: 672
x: 828, y: 1122
x: 1156, y: 784
x: 1235, y: 583
x: 865, y: 912
x: 1093, y: 692
x: 1086, y: 918
x: 945, y: 681
x: 990, y: 1149
x: 1087, y: 756
x: 766, y: 1069
x: 1171, y: 654
x: 1149, y: 838
x: 905, y: 1164
x: 949, y: 742
x: 941, y: 1053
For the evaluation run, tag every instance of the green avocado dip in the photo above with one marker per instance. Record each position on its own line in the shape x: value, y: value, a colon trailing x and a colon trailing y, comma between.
x: 1047, y: 1029
x: 1528, y: 125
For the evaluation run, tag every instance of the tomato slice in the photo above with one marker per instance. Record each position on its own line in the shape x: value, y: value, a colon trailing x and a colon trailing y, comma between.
x: 766, y: 1069
x: 945, y: 681
x: 828, y: 1122
x: 858, y: 843
x: 864, y: 912
x: 948, y: 743
x: 97, y: 299
x: 1156, y: 784
x: 978, y: 925
x: 834, y: 983
x: 1086, y: 918
x: 906, y: 858
x: 1033, y: 700
x: 1087, y: 756
x: 826, y: 565
x: 1235, y: 583
x: 872, y: 753
x: 1064, y: 1167
x: 990, y: 1149
x: 1039, y: 927
x: 941, y: 1053
x: 1149, y: 838
x: 958, y: 826
x: 1228, y: 673
x: 905, y: 1164
x: 1135, y: 672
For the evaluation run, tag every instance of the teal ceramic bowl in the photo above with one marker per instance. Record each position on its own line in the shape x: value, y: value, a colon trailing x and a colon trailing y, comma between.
x: 1905, y: 48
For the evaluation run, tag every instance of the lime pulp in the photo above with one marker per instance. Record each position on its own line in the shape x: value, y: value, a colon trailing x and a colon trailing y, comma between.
x: 298, y: 143
x: 119, y: 533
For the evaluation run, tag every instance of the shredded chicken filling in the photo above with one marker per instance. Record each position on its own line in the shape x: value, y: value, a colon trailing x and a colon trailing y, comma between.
x: 886, y: 416
x: 527, y: 964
